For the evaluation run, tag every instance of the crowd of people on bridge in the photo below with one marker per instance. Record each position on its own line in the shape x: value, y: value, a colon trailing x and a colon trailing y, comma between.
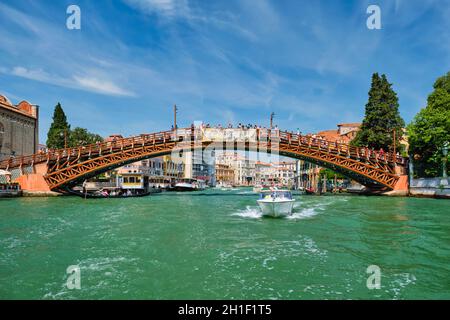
x: 313, y: 140
x: 307, y: 139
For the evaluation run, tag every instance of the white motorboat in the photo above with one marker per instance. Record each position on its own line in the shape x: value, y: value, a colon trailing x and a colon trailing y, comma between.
x: 189, y: 185
x: 276, y: 203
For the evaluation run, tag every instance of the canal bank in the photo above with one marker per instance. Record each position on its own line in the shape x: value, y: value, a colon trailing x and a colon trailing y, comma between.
x: 430, y: 188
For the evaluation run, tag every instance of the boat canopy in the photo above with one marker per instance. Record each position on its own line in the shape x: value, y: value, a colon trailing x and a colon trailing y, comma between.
x: 4, y: 173
x: 286, y: 194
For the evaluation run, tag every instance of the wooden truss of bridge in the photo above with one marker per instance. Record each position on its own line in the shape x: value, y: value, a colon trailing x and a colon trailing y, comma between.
x: 70, y: 166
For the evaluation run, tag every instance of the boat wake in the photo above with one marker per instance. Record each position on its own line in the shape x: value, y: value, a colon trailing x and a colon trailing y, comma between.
x: 300, y: 211
x: 245, y: 192
x: 255, y: 213
x: 249, y: 212
x: 303, y: 214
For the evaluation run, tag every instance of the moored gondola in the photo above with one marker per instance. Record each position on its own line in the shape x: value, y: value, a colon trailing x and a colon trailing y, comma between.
x: 108, y: 194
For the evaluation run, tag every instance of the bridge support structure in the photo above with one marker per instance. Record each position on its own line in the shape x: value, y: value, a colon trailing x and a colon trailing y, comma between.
x: 58, y: 170
x: 35, y: 182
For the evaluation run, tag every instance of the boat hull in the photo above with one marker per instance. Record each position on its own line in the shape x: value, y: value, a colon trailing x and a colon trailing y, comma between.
x: 11, y: 194
x: 183, y: 188
x: 276, y: 208
x: 89, y: 195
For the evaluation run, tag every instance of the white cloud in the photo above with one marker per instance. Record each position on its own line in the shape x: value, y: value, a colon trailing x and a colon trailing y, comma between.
x: 81, y: 82
x: 171, y: 9
x: 101, y: 86
x: 167, y: 8
x: 37, y: 74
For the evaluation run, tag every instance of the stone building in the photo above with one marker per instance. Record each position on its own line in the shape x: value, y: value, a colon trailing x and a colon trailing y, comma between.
x: 243, y: 167
x: 345, y: 133
x: 19, y: 130
x: 276, y: 173
x: 224, y: 174
x: 309, y: 174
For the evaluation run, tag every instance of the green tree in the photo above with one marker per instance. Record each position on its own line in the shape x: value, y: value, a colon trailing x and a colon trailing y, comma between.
x: 330, y: 174
x: 58, y: 128
x: 381, y: 118
x: 81, y: 136
x: 430, y: 129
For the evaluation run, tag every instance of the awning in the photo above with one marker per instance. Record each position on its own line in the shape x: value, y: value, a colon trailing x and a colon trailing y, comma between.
x: 4, y: 173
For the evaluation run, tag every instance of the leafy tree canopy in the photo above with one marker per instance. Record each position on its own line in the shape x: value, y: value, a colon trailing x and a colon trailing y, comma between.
x: 330, y: 174
x: 60, y: 131
x: 81, y: 136
x: 430, y: 129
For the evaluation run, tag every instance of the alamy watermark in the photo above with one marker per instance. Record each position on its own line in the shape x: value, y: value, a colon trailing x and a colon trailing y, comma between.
x: 204, y: 141
x: 374, y: 280
x: 73, y: 22
x: 374, y: 20
x: 74, y: 279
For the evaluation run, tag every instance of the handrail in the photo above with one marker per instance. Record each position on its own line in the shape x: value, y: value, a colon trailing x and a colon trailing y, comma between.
x: 169, y: 136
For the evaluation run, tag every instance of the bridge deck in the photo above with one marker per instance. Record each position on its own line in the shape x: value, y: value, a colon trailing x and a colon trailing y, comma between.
x: 376, y: 158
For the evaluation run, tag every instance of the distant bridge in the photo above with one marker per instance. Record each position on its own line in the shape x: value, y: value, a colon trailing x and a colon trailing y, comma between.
x: 59, y: 169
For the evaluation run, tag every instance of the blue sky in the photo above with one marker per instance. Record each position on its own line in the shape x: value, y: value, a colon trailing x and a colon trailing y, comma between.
x: 308, y: 61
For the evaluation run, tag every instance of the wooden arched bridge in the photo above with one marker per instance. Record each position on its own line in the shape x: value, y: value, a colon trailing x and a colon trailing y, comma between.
x: 59, y: 169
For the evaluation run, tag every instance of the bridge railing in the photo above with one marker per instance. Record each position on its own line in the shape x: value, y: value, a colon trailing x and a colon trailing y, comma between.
x: 53, y: 154
x: 189, y: 133
x: 343, y: 148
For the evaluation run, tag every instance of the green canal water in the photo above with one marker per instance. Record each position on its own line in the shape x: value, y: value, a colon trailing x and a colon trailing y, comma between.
x: 215, y: 245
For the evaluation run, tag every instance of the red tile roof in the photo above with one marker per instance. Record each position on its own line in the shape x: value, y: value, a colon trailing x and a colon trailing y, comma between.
x: 355, y: 124
x: 24, y: 107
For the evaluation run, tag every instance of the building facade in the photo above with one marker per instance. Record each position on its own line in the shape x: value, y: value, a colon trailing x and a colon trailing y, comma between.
x: 251, y: 172
x: 243, y: 167
x: 200, y: 165
x: 160, y: 172
x: 276, y: 174
x: 19, y: 128
x: 224, y: 175
x: 344, y: 133
x: 172, y: 171
x: 309, y: 174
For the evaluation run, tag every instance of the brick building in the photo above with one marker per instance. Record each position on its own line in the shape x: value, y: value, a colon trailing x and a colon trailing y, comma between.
x: 345, y: 133
x: 19, y: 129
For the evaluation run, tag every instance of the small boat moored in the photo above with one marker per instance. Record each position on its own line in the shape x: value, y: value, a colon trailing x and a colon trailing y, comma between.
x: 189, y: 185
x: 9, y: 190
x: 110, y: 193
x: 276, y: 203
